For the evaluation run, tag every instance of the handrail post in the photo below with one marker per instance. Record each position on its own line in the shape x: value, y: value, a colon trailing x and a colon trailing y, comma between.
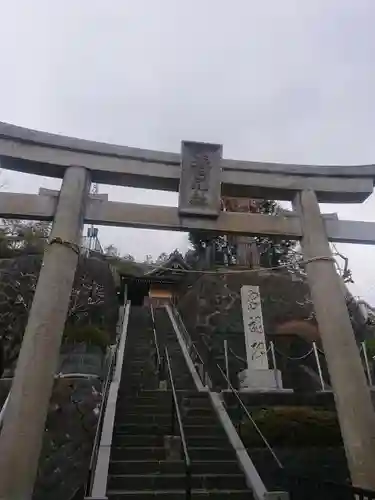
x: 158, y: 360
x: 176, y: 412
x: 188, y: 482
x: 274, y: 364
x: 318, y: 365
x: 369, y: 376
x: 226, y: 360
x: 173, y: 409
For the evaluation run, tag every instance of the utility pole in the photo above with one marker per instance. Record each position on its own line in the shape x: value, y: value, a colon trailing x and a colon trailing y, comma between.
x: 93, y: 231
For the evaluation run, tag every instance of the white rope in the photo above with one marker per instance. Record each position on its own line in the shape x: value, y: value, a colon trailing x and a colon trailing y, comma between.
x: 294, y: 359
x: 243, y: 271
x: 239, y: 358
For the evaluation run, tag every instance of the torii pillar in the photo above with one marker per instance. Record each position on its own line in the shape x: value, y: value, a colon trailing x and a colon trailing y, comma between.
x: 22, y: 433
x: 352, y: 395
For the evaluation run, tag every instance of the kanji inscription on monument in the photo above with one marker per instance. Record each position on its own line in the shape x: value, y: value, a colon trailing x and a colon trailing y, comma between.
x: 200, y: 183
x: 253, y: 325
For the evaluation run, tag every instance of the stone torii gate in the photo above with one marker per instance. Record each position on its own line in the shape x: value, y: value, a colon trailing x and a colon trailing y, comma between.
x: 201, y: 176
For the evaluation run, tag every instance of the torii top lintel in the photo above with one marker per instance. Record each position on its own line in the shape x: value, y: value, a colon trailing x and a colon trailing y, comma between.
x: 46, y: 154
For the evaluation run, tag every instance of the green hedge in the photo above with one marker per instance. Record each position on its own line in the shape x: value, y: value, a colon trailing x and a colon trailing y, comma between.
x: 292, y: 426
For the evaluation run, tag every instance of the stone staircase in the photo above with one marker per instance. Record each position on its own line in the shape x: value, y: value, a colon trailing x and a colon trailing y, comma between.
x: 140, y: 464
x: 167, y: 337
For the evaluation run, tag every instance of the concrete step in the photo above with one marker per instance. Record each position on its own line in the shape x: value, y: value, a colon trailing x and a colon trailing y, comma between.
x: 139, y: 343
x: 176, y: 481
x: 192, y: 395
x: 138, y: 453
x: 139, y: 350
x: 140, y: 346
x: 147, y: 366
x: 190, y: 404
x: 162, y: 409
x: 164, y: 419
x: 137, y: 363
x: 152, y: 409
x: 157, y: 441
x: 147, y: 372
x: 156, y: 429
x: 135, y: 371
x: 180, y: 495
x: 138, y: 359
x: 138, y: 405
x: 189, y: 398
x: 172, y: 467
x: 159, y: 453
x: 140, y: 377
x: 136, y: 384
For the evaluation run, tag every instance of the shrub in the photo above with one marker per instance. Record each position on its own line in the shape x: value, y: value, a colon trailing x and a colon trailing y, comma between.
x: 370, y: 346
x: 89, y: 335
x: 292, y: 426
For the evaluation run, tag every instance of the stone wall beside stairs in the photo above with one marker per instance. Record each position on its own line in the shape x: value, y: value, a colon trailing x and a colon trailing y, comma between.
x: 211, y: 309
x: 212, y: 305
x: 68, y: 438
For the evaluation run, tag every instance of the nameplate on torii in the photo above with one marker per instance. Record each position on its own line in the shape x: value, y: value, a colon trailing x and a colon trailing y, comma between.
x: 200, y: 182
x: 255, y: 341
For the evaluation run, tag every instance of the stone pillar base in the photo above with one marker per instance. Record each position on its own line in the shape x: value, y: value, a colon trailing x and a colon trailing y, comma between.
x: 163, y: 385
x: 260, y: 380
x: 172, y: 446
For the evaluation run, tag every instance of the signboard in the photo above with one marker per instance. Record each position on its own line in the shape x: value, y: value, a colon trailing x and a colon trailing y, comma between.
x: 200, y: 182
x: 255, y: 340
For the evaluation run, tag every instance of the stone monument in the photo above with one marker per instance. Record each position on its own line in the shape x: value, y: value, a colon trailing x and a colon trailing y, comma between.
x: 258, y: 376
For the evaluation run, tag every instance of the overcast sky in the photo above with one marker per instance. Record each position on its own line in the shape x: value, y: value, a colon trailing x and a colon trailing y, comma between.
x: 284, y: 81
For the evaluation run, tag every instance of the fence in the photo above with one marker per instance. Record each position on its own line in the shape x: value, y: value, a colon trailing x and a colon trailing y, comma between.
x: 312, y: 362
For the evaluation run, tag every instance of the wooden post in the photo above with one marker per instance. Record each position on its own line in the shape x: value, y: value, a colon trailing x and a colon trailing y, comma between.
x: 247, y: 252
x: 22, y: 434
x: 352, y: 395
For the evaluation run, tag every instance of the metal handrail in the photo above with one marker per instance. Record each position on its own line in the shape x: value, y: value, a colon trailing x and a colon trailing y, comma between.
x: 177, y: 414
x: 157, y: 349
x: 235, y: 392
x: 3, y: 409
x: 99, y: 425
x: 190, y: 343
x: 186, y: 334
x: 99, y: 463
x: 367, y: 364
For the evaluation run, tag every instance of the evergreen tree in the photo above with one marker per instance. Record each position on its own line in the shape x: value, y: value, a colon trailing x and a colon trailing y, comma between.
x: 274, y: 251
